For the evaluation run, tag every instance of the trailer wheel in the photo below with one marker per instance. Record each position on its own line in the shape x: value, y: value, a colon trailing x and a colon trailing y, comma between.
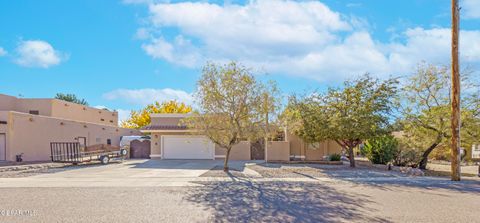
x: 104, y: 160
x: 123, y: 152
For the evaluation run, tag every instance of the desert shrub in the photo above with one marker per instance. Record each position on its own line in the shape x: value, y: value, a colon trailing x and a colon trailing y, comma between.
x: 406, y: 157
x: 406, y: 154
x: 381, y: 150
x: 335, y: 157
x: 442, y: 152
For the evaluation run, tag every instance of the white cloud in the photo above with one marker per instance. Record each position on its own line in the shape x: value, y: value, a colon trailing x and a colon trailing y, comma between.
x: 148, y: 95
x: 137, y: 1
x: 101, y: 107
x: 433, y: 45
x: 471, y: 8
x: 181, y: 51
x: 123, y: 115
x: 142, y: 34
x: 3, y: 52
x: 254, y: 28
x: 301, y: 38
x: 38, y: 53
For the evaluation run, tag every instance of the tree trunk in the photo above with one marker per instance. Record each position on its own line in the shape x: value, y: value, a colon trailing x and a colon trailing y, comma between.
x: 351, y: 157
x: 225, y: 163
x: 423, y: 163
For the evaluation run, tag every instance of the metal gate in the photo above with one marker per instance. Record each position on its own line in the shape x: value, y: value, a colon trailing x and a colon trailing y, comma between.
x: 257, y: 150
x: 140, y: 149
x: 65, y: 152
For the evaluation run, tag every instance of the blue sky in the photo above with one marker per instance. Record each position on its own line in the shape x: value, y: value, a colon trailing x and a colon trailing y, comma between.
x: 124, y: 54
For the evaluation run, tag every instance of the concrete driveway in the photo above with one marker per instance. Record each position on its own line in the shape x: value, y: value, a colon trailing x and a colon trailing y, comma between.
x: 130, y: 173
x: 139, y: 168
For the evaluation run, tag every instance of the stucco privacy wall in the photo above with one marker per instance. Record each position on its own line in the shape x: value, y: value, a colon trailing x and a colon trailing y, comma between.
x: 300, y: 149
x: 241, y: 151
x: 296, y: 146
x: 32, y: 134
x: 323, y: 149
x: 278, y: 151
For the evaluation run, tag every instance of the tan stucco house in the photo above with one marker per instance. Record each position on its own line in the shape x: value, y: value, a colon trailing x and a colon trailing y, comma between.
x: 28, y: 125
x: 172, y: 140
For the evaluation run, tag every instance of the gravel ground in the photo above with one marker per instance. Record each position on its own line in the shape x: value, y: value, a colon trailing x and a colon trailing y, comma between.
x: 274, y: 170
x: 446, y: 168
x: 217, y: 171
x: 49, y: 168
x: 28, y: 173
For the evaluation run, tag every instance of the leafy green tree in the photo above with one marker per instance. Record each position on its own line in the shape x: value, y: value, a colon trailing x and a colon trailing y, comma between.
x: 426, y: 111
x: 381, y: 150
x: 233, y: 106
x: 349, y: 115
x: 71, y: 98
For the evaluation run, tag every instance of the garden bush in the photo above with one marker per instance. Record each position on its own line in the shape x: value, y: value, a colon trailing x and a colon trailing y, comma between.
x: 381, y: 150
x: 335, y: 157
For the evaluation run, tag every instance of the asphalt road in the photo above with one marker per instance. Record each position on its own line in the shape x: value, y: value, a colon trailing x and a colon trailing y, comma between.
x: 175, y: 191
x: 245, y: 201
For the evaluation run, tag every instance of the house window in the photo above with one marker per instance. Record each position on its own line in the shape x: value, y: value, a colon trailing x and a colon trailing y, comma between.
x: 34, y: 112
x: 109, y: 142
x: 111, y: 121
x: 102, y: 119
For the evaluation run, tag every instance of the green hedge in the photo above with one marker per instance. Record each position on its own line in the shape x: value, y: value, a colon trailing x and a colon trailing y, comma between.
x: 380, y: 150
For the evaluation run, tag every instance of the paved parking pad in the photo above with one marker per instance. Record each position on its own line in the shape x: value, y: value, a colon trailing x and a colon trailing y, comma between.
x: 131, y: 173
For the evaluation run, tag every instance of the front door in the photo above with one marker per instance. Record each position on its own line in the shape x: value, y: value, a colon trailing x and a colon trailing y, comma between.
x: 83, y: 142
x: 3, y: 146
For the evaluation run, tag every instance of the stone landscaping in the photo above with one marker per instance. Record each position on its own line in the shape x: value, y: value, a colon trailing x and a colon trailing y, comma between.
x: 217, y: 171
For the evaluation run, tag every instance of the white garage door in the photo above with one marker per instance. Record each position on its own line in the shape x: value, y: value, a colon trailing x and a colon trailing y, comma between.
x: 188, y: 147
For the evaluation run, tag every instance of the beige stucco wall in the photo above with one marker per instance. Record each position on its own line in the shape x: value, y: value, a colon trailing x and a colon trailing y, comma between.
x: 3, y: 131
x: 324, y: 149
x: 296, y: 145
x: 59, y: 109
x: 165, y: 120
x: 303, y: 150
x: 278, y: 151
x: 68, y: 110
x: 240, y: 151
x: 32, y: 134
x: 43, y: 106
x: 7, y: 103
